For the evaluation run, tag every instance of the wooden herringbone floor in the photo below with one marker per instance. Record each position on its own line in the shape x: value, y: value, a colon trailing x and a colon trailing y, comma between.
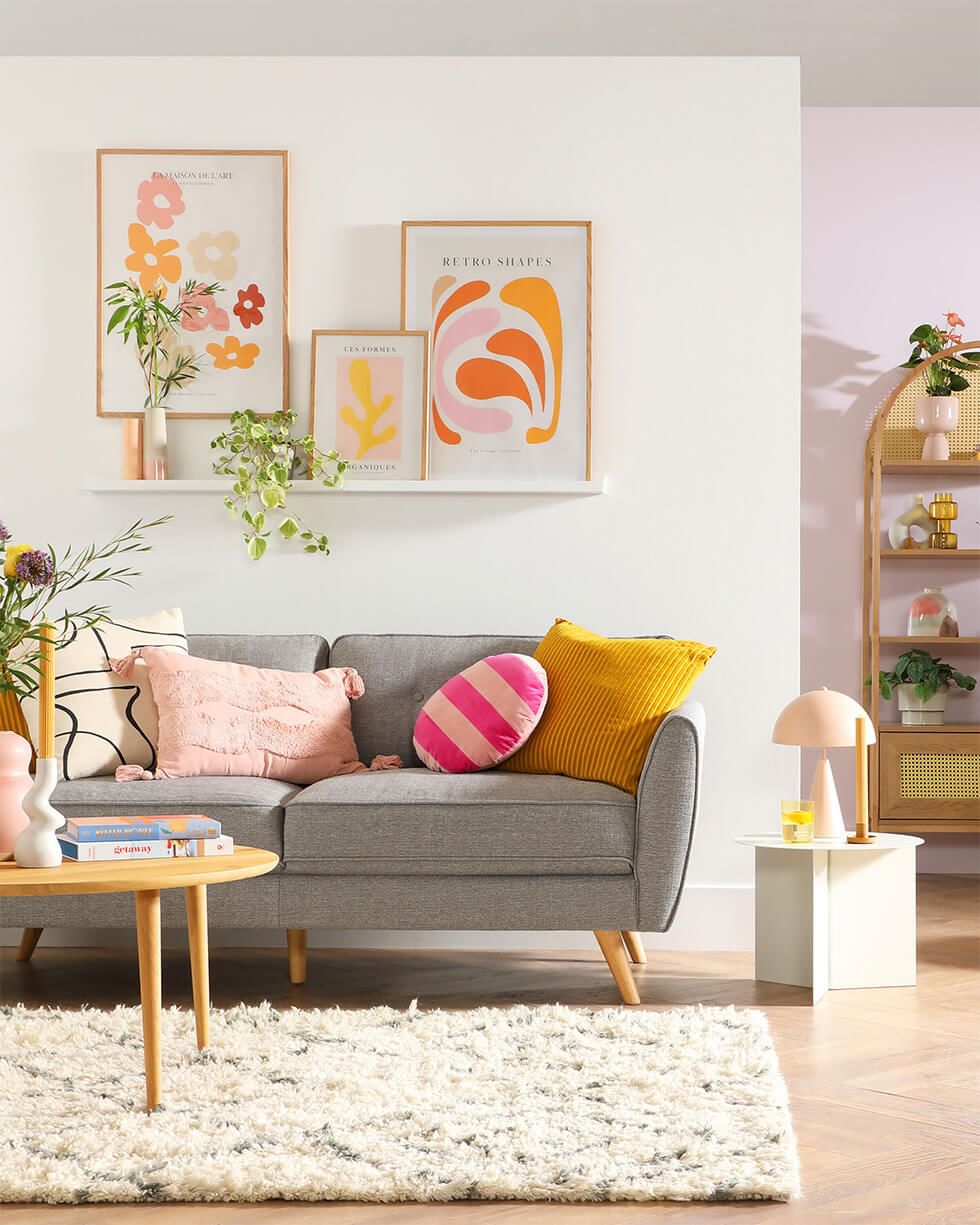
x: 885, y: 1084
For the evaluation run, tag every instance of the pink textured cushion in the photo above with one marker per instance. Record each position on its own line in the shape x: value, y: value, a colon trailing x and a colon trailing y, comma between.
x: 483, y: 715
x: 223, y: 718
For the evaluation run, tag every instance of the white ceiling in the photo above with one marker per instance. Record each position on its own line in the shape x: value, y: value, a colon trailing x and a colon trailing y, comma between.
x: 853, y: 52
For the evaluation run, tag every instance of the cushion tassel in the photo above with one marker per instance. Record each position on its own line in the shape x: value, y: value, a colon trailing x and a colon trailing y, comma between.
x: 132, y: 774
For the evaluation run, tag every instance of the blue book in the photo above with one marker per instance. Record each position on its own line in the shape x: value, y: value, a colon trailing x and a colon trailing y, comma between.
x: 122, y: 829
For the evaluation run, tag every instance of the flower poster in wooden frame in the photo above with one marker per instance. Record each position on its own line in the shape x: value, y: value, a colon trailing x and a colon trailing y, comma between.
x: 368, y: 392
x: 508, y: 308
x: 178, y: 220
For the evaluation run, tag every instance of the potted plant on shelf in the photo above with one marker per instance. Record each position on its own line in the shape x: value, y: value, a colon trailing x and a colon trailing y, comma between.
x: 921, y: 682
x: 937, y: 413
x: 264, y: 455
x: 164, y: 361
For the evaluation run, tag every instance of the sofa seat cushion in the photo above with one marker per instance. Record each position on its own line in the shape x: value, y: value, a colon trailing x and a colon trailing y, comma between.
x: 417, y: 823
x: 249, y: 809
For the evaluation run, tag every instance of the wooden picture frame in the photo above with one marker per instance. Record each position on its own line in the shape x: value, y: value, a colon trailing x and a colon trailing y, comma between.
x: 253, y: 326
x: 509, y: 308
x: 386, y: 372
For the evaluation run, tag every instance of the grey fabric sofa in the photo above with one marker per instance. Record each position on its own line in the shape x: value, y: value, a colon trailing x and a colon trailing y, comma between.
x: 411, y: 849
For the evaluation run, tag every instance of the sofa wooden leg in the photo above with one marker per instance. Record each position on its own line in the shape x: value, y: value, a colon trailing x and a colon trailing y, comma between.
x: 611, y: 943
x: 28, y: 942
x: 296, y: 950
x: 634, y: 946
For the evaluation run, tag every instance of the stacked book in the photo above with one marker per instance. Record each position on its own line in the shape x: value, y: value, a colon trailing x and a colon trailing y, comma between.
x: 117, y: 838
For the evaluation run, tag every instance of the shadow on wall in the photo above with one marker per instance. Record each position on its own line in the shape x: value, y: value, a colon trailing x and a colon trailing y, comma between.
x: 842, y: 389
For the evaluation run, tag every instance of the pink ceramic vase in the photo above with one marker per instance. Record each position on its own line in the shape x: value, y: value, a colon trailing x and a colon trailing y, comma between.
x: 15, y: 782
x: 936, y: 416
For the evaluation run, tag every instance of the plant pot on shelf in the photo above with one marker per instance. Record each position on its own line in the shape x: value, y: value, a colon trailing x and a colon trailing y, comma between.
x: 936, y: 416
x: 921, y: 712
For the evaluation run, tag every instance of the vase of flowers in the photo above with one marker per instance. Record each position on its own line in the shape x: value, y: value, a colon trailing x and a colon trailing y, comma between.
x: 36, y: 583
x: 937, y: 413
x: 164, y: 361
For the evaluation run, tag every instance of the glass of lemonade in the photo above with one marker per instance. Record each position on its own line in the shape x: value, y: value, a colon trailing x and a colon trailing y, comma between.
x: 797, y: 820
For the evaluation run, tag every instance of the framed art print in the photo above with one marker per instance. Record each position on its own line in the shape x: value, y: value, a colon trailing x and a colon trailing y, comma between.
x: 207, y: 217
x: 508, y: 306
x: 368, y: 393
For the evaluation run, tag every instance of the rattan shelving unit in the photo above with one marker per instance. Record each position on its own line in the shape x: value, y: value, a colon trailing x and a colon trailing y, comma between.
x: 923, y: 779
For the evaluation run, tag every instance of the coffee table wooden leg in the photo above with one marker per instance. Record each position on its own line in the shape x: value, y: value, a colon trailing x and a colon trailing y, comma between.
x: 196, y: 899
x: 148, y: 944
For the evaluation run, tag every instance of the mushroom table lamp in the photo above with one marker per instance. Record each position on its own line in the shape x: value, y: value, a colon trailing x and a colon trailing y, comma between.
x: 823, y: 719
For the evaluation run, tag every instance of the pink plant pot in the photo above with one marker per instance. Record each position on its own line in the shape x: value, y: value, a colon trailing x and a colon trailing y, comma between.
x: 15, y: 782
x: 936, y: 416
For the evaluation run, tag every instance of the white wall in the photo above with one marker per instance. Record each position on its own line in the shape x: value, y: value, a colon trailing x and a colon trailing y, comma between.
x: 689, y: 169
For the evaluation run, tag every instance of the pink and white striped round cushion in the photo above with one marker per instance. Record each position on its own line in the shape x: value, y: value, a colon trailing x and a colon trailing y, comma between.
x: 483, y: 715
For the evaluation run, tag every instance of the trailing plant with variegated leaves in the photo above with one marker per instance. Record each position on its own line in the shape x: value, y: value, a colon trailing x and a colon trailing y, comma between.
x: 263, y: 456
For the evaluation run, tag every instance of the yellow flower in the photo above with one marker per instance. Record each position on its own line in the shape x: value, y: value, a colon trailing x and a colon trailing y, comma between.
x: 152, y: 260
x: 233, y: 355
x: 13, y: 553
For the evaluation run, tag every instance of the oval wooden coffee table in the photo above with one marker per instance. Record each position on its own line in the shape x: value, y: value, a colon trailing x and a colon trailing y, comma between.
x: 145, y: 878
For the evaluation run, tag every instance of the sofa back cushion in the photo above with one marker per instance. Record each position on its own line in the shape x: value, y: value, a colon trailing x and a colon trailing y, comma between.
x: 400, y: 673
x: 221, y: 718
x: 103, y: 721
x: 288, y: 652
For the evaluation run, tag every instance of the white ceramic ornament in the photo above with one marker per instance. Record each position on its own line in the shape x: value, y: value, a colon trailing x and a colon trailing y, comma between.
x: 37, y: 846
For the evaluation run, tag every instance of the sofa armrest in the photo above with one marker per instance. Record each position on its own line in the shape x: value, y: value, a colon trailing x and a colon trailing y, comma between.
x: 666, y: 812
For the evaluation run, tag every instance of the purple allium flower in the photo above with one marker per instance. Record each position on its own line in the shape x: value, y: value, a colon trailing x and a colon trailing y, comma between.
x: 35, y: 567
x: 4, y: 533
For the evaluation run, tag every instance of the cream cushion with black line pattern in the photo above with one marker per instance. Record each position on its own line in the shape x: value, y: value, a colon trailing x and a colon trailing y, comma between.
x: 101, y: 720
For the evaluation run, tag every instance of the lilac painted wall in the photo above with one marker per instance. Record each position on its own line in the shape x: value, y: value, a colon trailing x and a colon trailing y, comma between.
x: 889, y: 241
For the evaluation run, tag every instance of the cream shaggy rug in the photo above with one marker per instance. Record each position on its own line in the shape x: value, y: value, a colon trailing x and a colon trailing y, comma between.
x: 520, y: 1103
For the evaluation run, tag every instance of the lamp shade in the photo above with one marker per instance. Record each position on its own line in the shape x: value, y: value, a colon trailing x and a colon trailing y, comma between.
x: 821, y: 719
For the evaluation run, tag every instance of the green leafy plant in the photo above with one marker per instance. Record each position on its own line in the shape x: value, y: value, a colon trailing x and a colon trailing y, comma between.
x: 927, y: 673
x: 263, y: 456
x: 154, y: 327
x: 34, y: 580
x: 943, y: 377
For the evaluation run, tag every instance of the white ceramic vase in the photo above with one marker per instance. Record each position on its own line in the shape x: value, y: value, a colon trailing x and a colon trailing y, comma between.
x: 936, y: 416
x: 919, y: 712
x: 155, y: 443
x: 916, y: 516
x: 37, y: 846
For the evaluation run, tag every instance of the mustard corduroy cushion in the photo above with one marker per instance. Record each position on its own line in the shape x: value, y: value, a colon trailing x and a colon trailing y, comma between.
x: 606, y: 698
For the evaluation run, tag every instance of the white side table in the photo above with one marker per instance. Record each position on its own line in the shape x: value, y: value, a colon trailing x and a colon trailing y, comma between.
x: 831, y: 914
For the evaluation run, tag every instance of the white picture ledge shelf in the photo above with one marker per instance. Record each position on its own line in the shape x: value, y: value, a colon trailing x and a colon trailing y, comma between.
x: 589, y: 488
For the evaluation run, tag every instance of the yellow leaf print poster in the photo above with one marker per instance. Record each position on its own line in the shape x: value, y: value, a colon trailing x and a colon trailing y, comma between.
x: 369, y: 392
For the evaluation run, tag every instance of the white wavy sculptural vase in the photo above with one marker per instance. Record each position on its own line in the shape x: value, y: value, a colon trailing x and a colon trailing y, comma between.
x: 936, y: 416
x: 37, y: 846
x: 900, y: 534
